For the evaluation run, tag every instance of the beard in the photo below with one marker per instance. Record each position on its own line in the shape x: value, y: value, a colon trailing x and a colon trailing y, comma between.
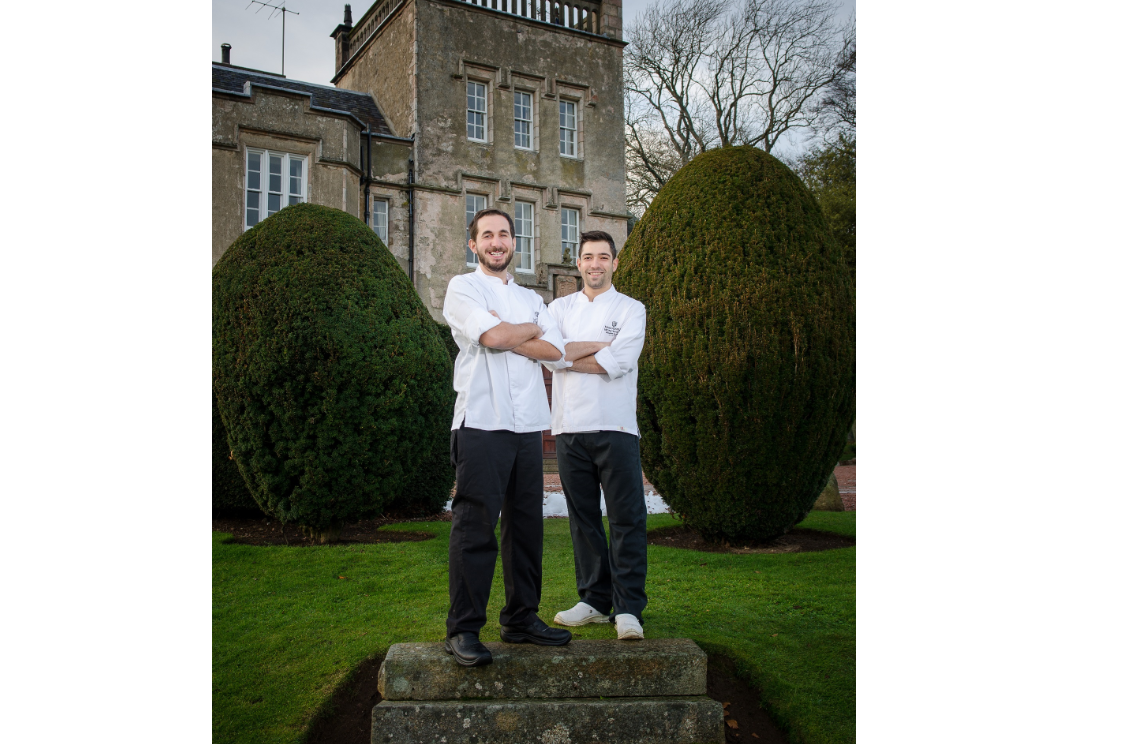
x: 490, y: 264
x: 596, y: 282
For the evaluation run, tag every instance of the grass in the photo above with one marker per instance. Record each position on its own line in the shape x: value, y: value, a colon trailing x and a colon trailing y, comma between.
x: 289, y: 625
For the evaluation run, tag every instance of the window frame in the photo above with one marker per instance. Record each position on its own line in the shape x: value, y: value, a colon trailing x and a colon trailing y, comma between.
x: 264, y: 189
x: 484, y: 113
x: 529, y: 122
x: 521, y: 235
x: 385, y: 202
x: 467, y: 220
x: 577, y: 233
x: 562, y: 102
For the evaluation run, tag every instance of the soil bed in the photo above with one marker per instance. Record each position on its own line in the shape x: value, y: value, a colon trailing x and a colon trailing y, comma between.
x: 794, y: 541
x: 265, y: 531
x: 348, y: 718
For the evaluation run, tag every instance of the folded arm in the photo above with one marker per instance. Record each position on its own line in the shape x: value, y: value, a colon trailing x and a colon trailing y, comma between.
x: 579, y: 349
x: 507, y: 336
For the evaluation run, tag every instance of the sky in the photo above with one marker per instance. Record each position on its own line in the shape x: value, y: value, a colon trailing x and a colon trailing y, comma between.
x: 256, y: 38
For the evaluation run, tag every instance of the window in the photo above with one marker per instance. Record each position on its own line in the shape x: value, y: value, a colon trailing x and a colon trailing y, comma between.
x: 381, y: 219
x: 476, y: 111
x: 274, y: 180
x: 523, y: 120
x: 524, y: 242
x: 570, y: 235
x: 567, y: 124
x: 475, y: 203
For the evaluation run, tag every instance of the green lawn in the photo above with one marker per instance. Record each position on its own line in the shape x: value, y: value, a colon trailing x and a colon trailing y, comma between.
x: 287, y: 630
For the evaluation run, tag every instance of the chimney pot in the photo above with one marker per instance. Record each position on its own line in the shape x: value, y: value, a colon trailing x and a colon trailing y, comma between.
x: 226, y: 53
x: 346, y: 15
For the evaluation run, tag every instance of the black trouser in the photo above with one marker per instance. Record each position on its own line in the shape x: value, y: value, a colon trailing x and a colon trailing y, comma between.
x: 496, y: 471
x: 608, y: 577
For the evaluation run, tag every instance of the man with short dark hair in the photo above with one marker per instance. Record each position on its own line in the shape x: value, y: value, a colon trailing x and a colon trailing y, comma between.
x: 595, y: 423
x: 502, y: 330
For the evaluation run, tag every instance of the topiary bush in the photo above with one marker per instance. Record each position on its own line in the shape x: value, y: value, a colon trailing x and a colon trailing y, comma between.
x: 330, y: 373
x: 229, y: 494
x: 745, y: 391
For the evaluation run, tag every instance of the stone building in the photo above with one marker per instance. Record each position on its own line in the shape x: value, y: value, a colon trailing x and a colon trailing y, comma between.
x: 515, y: 104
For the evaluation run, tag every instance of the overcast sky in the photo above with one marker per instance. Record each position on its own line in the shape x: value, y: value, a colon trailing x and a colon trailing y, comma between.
x: 256, y: 37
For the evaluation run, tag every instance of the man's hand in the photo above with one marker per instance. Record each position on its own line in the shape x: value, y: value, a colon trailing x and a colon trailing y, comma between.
x: 588, y: 365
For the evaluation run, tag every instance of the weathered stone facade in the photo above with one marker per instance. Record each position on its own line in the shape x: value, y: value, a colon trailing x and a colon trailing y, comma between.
x: 254, y: 110
x: 403, y: 69
x: 415, y: 58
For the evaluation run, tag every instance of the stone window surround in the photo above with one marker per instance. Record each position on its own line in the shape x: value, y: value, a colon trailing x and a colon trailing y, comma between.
x: 576, y: 95
x: 474, y: 188
x: 534, y: 87
x: 255, y: 140
x: 488, y: 77
x: 375, y: 199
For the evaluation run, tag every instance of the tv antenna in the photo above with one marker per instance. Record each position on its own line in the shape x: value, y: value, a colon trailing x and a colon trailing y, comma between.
x: 283, y: 12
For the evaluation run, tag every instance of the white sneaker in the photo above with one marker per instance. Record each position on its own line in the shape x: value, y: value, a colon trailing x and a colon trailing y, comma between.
x: 580, y: 614
x: 628, y: 628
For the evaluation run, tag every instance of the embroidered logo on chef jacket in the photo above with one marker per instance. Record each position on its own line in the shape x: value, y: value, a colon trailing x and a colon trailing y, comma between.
x: 612, y: 330
x: 537, y: 314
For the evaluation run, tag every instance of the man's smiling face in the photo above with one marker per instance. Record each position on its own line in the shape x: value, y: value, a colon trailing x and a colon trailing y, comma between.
x: 495, y: 246
x: 596, y: 264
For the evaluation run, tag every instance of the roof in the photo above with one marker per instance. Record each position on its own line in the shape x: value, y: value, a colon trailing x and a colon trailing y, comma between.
x: 360, y: 105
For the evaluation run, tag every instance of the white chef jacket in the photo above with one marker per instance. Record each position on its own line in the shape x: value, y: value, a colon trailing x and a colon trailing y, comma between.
x: 608, y: 402
x: 496, y: 389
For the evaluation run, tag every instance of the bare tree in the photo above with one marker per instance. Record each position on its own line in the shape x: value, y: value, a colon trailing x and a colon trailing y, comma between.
x: 701, y: 74
x: 837, y: 115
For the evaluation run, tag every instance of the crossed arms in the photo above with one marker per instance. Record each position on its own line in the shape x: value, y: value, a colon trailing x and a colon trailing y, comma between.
x: 581, y: 354
x: 520, y: 338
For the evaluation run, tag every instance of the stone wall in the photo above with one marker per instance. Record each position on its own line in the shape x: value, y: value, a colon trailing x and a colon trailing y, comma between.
x: 424, y: 96
x: 284, y: 122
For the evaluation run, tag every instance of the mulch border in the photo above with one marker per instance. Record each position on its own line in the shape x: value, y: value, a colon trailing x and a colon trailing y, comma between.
x: 796, y: 540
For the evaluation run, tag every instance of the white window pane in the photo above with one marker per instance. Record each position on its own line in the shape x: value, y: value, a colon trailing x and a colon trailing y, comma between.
x: 295, y: 199
x: 381, y: 210
x: 274, y: 203
x: 254, y: 162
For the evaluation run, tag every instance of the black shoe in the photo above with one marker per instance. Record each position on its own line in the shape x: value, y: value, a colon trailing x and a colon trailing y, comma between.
x: 467, y: 650
x: 536, y: 632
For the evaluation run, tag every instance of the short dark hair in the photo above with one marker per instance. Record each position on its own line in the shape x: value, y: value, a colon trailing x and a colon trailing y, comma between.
x: 596, y: 236
x: 487, y: 213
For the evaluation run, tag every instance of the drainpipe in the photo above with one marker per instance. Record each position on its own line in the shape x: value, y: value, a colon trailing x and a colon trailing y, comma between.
x: 410, y: 217
x: 366, y: 179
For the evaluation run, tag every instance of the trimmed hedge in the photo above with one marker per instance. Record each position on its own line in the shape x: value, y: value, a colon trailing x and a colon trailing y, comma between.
x: 745, y: 393
x: 330, y: 372
x: 229, y: 494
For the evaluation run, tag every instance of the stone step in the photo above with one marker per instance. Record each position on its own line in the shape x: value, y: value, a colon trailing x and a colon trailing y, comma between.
x: 583, y: 668
x: 632, y: 720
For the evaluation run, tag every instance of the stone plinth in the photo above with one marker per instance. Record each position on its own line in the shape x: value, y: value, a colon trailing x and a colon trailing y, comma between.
x: 587, y: 692
x: 659, y: 720
x: 589, y: 668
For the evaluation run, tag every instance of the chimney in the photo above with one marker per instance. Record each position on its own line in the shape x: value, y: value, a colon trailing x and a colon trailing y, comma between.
x: 226, y: 53
x: 341, y: 35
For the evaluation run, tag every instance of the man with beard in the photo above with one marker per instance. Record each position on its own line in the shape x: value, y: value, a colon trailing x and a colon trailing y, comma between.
x: 502, y: 330
x: 595, y: 424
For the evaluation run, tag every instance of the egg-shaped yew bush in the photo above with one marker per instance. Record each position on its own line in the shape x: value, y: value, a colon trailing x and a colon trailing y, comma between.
x: 329, y: 372
x: 746, y: 380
